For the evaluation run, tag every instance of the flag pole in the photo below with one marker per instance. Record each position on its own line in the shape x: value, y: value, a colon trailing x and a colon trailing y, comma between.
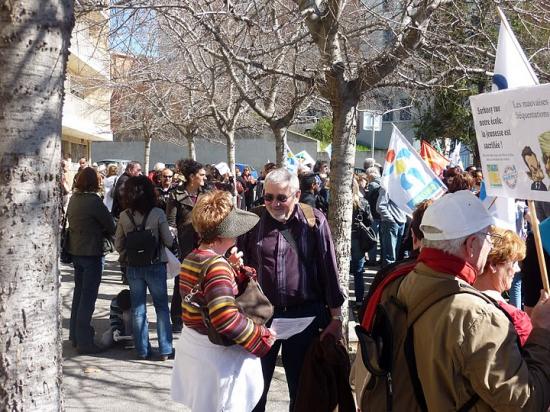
x: 538, y: 244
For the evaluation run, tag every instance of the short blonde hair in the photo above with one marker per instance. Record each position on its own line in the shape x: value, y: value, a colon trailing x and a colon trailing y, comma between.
x: 507, y: 246
x: 209, y: 211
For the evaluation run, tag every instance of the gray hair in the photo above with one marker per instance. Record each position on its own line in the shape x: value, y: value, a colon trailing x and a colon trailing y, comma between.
x: 282, y: 176
x: 373, y: 172
x: 369, y: 162
x: 452, y: 246
x: 132, y: 165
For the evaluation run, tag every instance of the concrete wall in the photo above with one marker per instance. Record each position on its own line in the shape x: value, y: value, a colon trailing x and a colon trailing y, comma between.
x: 255, y: 151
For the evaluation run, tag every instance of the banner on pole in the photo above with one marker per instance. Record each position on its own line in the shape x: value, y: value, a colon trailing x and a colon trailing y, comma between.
x: 437, y: 162
x: 513, y: 136
x: 407, y: 178
x: 512, y: 69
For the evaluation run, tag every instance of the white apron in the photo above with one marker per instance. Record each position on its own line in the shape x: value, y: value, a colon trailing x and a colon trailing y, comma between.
x: 214, y: 378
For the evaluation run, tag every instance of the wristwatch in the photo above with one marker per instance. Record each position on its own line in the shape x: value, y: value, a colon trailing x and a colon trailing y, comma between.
x: 338, y: 317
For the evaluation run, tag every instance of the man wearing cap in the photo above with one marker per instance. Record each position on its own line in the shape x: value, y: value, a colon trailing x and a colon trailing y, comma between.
x: 291, y: 248
x: 465, y: 347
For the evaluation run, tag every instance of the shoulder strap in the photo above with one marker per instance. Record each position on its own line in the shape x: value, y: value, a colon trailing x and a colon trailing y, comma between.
x: 309, y: 214
x: 145, y: 219
x: 258, y: 210
x: 131, y: 216
x: 439, y: 294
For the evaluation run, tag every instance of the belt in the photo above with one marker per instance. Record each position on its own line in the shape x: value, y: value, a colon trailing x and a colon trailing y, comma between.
x: 305, y: 305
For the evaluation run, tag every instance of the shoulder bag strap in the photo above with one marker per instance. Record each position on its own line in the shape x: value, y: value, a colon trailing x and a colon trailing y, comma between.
x: 202, y: 274
x: 131, y: 216
x: 309, y: 214
x: 409, y: 351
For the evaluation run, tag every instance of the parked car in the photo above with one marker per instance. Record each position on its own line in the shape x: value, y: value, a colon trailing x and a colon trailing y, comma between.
x: 121, y: 164
x: 241, y: 167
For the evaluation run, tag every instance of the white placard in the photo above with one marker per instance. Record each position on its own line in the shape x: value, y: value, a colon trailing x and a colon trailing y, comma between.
x: 513, y: 136
x: 287, y: 327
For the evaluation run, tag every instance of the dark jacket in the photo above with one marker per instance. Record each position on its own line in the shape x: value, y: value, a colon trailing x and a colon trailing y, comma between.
x: 118, y: 195
x: 89, y: 222
x: 324, y: 383
x: 373, y: 188
x: 178, y: 212
x: 360, y: 213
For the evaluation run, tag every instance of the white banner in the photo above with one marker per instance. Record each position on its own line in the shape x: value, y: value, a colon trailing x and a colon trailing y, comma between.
x: 513, y: 136
x: 512, y: 69
x: 407, y: 178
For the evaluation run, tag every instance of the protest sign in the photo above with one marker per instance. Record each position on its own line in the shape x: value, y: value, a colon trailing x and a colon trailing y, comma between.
x: 407, y: 178
x: 513, y: 136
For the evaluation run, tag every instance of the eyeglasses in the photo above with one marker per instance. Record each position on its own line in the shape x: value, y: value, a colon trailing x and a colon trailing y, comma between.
x: 268, y: 197
x: 491, y: 237
x: 167, y: 176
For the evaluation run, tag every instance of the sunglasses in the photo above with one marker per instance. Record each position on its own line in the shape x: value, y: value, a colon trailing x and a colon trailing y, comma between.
x: 167, y: 177
x: 268, y: 197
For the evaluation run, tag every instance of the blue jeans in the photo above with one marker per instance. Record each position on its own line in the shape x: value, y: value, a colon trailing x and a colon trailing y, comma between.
x: 87, y: 277
x: 154, y: 278
x: 356, y: 267
x: 391, y: 234
x: 372, y: 253
x: 515, y: 291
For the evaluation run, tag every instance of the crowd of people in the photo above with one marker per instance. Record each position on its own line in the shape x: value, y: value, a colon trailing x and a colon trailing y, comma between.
x: 487, y: 348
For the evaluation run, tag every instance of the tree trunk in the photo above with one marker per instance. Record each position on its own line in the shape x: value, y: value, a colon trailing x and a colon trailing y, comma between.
x: 280, y: 145
x: 341, y: 175
x: 147, y: 154
x: 31, y: 98
x: 230, y: 137
x: 191, y: 147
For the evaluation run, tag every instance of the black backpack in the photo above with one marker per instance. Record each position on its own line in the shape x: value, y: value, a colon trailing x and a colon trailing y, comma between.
x: 142, y: 246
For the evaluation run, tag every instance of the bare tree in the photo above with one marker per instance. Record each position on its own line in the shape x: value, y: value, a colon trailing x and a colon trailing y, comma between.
x: 248, y: 38
x: 33, y: 55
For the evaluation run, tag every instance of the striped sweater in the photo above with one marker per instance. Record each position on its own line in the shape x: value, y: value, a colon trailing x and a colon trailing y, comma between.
x: 218, y: 293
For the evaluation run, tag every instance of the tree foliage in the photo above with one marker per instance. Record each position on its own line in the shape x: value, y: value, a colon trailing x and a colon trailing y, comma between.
x: 322, y: 130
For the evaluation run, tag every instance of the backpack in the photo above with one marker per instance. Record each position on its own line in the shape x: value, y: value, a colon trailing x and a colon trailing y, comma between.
x: 386, y: 338
x: 142, y: 247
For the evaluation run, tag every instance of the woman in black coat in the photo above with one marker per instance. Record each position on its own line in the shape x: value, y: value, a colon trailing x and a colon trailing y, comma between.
x: 89, y: 223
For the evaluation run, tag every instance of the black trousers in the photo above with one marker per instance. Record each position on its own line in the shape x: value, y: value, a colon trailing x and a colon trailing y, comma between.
x: 175, y: 306
x: 293, y: 348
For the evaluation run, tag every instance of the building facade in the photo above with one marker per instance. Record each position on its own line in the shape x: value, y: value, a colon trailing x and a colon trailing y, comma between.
x: 86, y: 108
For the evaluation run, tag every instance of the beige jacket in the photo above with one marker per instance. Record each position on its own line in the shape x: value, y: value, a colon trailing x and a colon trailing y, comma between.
x: 465, y: 345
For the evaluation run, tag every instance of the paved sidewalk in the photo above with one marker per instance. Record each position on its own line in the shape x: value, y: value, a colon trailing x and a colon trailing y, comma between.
x: 115, y: 380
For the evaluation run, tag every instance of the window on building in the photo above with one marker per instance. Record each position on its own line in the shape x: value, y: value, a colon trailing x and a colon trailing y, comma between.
x: 387, y: 117
x: 405, y: 113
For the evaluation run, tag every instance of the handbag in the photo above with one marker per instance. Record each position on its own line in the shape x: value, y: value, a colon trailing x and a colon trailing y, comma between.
x: 173, y: 264
x: 108, y: 245
x: 64, y: 255
x: 366, y: 234
x: 251, y: 301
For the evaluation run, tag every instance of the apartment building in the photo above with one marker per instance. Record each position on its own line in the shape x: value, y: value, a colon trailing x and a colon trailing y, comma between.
x: 86, y: 109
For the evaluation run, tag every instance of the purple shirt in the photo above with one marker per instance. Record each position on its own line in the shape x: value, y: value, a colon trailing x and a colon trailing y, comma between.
x: 289, y: 277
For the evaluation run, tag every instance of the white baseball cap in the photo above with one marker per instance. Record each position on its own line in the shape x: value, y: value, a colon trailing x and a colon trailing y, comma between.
x: 455, y: 215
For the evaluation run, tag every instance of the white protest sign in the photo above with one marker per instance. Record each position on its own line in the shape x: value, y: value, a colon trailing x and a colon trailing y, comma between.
x: 513, y: 136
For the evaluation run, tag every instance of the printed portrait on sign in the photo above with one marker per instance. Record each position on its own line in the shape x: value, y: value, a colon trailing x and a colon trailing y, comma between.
x: 535, y: 172
x: 544, y: 143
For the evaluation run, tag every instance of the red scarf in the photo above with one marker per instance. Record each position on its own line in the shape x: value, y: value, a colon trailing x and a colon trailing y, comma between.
x: 444, y: 263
